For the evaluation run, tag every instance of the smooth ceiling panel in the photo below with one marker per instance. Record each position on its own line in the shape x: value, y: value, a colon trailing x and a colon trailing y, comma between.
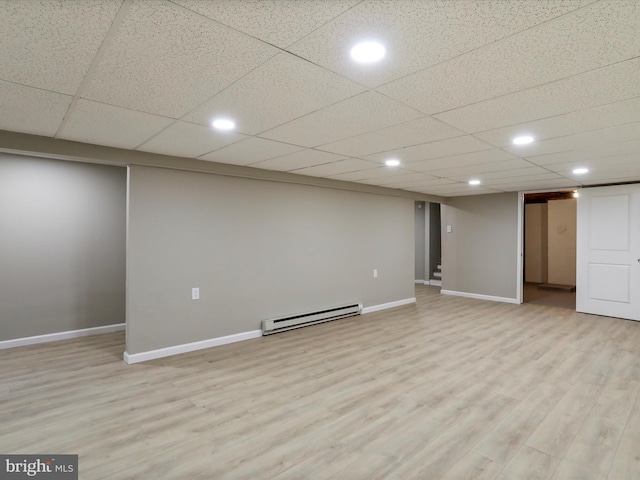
x: 31, y: 110
x: 419, y: 34
x: 298, y: 160
x: 598, y: 87
x: 441, y: 148
x: 101, y: 124
x: 279, y: 22
x: 621, y: 133
x: 354, y: 116
x: 184, y: 139
x: 336, y: 168
x: 603, y: 116
x: 282, y: 89
x: 571, y: 44
x: 473, y: 158
x: 167, y: 60
x: 415, y: 132
x: 49, y: 44
x: 250, y: 150
x: 467, y: 192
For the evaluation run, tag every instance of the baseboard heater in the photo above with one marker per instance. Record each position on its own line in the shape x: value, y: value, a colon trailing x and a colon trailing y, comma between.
x: 276, y: 325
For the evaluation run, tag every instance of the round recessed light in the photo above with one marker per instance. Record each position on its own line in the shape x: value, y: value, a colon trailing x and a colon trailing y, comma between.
x: 368, y: 52
x: 580, y: 171
x: 223, y: 124
x: 576, y: 194
x: 392, y: 162
x: 474, y: 182
x: 523, y: 140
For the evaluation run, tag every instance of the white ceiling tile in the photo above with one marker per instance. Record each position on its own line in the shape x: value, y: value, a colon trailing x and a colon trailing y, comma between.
x: 476, y: 169
x: 49, y: 44
x: 538, y: 185
x: 571, y: 44
x: 441, y: 148
x: 423, y: 181
x: 184, y: 139
x: 364, y: 175
x: 336, y: 168
x: 419, y: 34
x: 167, y: 60
x: 397, y: 179
x: 603, y: 116
x: 250, y: 150
x: 598, y: 87
x: 508, y: 174
x: 279, y: 22
x: 473, y: 158
x: 101, y: 124
x: 583, y: 140
x: 495, y: 182
x: 601, y: 151
x: 466, y: 192
x: 360, y: 114
x: 30, y: 110
x: 415, y: 132
x: 282, y: 89
x: 298, y: 160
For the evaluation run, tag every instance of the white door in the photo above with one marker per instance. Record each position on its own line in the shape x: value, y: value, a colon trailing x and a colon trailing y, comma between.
x: 608, y: 251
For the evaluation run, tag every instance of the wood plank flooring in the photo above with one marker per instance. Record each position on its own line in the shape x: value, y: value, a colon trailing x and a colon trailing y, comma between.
x: 448, y: 388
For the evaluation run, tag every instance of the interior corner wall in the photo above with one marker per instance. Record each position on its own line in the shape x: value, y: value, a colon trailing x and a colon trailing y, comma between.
x: 256, y: 250
x: 62, y: 247
x: 420, y: 241
x: 536, y: 243
x: 562, y: 217
x: 479, y: 256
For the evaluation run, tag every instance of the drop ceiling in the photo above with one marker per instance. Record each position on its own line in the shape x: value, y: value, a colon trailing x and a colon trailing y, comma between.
x: 460, y: 80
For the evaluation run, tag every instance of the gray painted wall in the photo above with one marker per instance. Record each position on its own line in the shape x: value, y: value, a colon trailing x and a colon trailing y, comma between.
x: 480, y: 254
x: 256, y: 249
x: 62, y: 246
x: 420, y: 241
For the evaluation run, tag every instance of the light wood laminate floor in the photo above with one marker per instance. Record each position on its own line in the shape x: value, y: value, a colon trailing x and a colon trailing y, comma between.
x: 450, y: 388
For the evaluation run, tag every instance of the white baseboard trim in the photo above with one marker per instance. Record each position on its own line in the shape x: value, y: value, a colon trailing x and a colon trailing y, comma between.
x: 422, y: 282
x: 53, y: 337
x: 480, y: 296
x: 437, y: 283
x: 189, y: 347
x: 419, y: 281
x: 384, y: 306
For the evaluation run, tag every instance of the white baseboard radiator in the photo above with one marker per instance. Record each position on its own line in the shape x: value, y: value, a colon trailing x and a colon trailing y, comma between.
x: 276, y: 325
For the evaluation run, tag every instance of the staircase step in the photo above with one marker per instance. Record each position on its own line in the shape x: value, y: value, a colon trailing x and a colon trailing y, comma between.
x: 437, y: 274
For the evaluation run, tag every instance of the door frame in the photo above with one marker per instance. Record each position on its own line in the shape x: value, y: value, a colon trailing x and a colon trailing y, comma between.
x: 520, y: 249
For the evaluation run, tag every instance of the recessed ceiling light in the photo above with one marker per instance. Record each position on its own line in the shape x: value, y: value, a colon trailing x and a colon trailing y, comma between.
x: 580, y: 171
x: 392, y: 162
x: 523, y: 140
x: 368, y: 52
x: 223, y: 124
x: 576, y: 194
x: 474, y: 182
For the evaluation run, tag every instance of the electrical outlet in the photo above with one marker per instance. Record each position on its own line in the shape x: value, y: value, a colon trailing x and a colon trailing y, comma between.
x: 195, y: 294
x: 449, y: 229
x: 375, y: 273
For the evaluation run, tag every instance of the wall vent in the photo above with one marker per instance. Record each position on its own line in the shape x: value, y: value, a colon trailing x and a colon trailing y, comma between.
x: 276, y: 325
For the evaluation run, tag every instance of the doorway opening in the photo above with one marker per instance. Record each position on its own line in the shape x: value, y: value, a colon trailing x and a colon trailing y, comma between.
x: 549, y: 249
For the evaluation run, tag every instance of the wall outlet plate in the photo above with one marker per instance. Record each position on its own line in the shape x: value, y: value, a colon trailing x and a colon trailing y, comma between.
x: 195, y: 293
